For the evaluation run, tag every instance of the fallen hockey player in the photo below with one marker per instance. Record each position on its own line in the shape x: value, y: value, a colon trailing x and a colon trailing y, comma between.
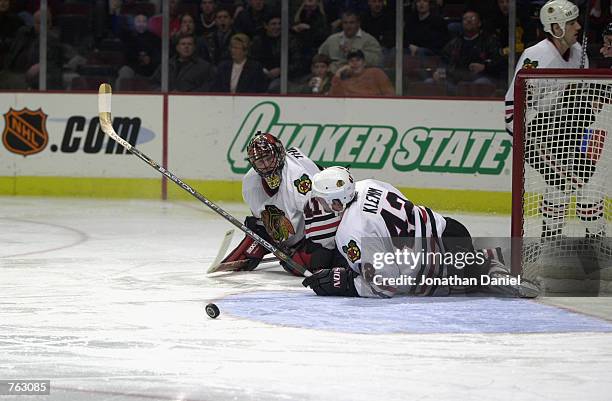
x: 383, y: 236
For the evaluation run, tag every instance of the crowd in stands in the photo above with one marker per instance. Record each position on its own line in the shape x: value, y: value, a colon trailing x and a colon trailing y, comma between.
x: 335, y: 47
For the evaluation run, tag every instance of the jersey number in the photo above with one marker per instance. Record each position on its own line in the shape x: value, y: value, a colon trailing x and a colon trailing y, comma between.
x: 397, y: 226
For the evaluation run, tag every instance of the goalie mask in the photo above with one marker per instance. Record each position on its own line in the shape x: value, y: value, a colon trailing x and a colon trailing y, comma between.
x: 334, y: 187
x: 558, y: 12
x: 266, y: 155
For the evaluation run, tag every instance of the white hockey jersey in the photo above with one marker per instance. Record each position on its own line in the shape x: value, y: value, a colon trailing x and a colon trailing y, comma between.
x: 544, y: 54
x: 376, y: 222
x: 290, y: 213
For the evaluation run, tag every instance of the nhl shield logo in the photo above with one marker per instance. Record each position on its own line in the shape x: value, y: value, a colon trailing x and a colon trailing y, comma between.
x: 25, y: 131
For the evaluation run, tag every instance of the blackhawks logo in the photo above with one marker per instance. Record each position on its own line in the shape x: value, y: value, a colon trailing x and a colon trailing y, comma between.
x: 277, y: 225
x: 353, y: 253
x: 25, y: 131
x: 529, y: 64
x: 303, y: 184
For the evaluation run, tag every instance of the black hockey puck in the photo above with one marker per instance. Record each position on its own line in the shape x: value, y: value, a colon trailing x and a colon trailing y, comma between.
x: 212, y: 310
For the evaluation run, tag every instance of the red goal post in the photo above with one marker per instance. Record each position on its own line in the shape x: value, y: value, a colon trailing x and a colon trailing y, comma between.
x: 529, y: 86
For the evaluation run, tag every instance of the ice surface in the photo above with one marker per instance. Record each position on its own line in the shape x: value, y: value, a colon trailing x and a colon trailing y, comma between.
x: 106, y: 299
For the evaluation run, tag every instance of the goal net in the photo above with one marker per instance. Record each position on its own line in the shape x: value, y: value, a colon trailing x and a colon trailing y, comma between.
x: 562, y: 179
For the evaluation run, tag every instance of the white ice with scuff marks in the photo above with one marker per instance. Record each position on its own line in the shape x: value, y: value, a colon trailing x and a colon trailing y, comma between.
x: 106, y: 299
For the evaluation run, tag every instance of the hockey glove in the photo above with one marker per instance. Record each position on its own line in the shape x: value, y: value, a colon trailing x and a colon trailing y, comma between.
x: 248, y: 250
x: 312, y: 256
x: 337, y: 281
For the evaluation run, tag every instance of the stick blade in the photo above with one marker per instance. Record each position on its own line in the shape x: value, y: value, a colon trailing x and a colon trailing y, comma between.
x: 225, y: 243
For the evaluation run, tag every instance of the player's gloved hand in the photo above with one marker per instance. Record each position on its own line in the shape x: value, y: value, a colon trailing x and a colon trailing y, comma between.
x: 300, y: 254
x: 311, y: 255
x: 337, y: 281
x: 248, y: 249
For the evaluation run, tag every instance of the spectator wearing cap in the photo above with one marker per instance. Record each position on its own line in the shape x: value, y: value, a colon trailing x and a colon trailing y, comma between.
x: 352, y: 37
x: 319, y: 82
x: 240, y: 74
x: 354, y: 79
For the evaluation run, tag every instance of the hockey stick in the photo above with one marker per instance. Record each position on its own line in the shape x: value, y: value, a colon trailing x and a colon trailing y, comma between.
x: 238, y: 265
x: 227, y: 238
x: 585, y: 30
x: 106, y: 123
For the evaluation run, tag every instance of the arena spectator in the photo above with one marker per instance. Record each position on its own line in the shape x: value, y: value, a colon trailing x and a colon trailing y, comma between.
x: 21, y: 64
x: 250, y: 20
x: 600, y: 15
x: 379, y: 21
x: 186, y: 71
x: 425, y: 32
x: 266, y: 48
x: 498, y: 25
x: 606, y: 48
x: 319, y: 82
x: 352, y: 37
x: 240, y: 74
x: 219, y: 41
x: 354, y: 79
x: 117, y: 23
x: 205, y: 24
x: 473, y: 57
x: 142, y: 52
x: 188, y: 27
x: 335, y: 8
x: 9, y: 24
x: 310, y: 27
x: 155, y: 22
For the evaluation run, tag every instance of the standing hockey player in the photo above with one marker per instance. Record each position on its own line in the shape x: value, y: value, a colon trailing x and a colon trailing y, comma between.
x: 560, y: 142
x: 560, y: 48
x: 378, y: 225
x: 278, y: 192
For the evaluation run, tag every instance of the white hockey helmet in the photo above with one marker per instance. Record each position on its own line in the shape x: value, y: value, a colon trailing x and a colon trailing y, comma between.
x: 335, y: 186
x: 558, y: 12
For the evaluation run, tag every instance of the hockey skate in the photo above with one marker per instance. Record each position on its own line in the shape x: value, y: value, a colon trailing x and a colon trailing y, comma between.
x: 499, y: 272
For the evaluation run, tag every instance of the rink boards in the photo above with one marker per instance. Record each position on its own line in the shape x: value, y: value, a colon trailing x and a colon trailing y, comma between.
x: 451, y: 154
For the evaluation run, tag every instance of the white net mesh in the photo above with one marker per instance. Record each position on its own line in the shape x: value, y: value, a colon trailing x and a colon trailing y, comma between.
x: 567, y: 201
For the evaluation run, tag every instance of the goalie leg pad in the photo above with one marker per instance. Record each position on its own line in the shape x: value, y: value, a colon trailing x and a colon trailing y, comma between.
x: 248, y: 249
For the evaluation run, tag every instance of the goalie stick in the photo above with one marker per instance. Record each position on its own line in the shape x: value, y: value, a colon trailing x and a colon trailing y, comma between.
x: 227, y: 238
x: 217, y: 266
x: 239, y: 265
x: 106, y: 123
